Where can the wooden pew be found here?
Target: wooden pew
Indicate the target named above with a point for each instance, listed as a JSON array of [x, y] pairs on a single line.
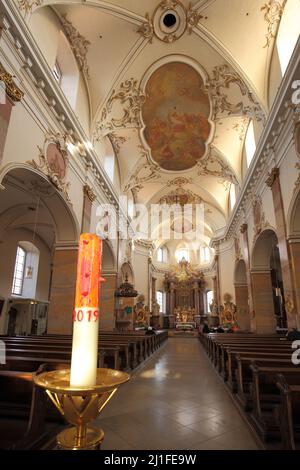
[[266, 397], [289, 410]]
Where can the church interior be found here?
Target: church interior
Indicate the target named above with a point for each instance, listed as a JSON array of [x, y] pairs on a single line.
[[149, 225]]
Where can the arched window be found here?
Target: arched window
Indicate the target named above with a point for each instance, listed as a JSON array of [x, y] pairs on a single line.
[[162, 255], [160, 299], [250, 144], [209, 299], [232, 196], [182, 253], [26, 270], [205, 254], [19, 272], [109, 166], [66, 70], [288, 33]]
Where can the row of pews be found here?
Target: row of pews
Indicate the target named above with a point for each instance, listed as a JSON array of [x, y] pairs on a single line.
[[259, 372], [27, 418]]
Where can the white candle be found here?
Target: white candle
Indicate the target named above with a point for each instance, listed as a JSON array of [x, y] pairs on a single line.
[[86, 313]]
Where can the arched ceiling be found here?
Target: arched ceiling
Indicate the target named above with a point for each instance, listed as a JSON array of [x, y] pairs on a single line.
[[229, 43]]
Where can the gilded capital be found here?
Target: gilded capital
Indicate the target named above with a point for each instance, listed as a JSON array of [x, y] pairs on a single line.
[[87, 190], [272, 177], [244, 228], [12, 90]]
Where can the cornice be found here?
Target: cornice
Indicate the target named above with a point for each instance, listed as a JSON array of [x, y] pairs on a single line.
[[280, 116], [38, 74]]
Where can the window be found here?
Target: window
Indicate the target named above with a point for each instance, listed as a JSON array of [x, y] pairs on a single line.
[[209, 299], [161, 255], [160, 300], [109, 166], [182, 253], [57, 72], [19, 271], [205, 254], [250, 144], [288, 33], [232, 196]]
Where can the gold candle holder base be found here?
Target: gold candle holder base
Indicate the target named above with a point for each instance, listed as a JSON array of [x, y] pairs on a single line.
[[80, 406]]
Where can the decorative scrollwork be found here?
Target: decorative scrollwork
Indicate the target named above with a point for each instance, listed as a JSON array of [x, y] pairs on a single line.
[[79, 45], [273, 11], [53, 161], [222, 78], [116, 141], [131, 98], [28, 5]]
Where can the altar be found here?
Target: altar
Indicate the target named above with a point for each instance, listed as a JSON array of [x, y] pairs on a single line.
[[185, 318], [185, 288]]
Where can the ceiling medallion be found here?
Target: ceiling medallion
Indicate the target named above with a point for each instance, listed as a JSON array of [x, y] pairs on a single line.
[[176, 117], [169, 21]]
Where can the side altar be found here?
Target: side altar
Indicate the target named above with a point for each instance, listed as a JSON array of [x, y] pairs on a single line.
[[184, 288]]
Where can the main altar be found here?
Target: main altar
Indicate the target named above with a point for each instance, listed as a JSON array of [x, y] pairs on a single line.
[[184, 288]]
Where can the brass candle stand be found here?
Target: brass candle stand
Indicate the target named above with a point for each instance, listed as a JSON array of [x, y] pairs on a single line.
[[80, 406]]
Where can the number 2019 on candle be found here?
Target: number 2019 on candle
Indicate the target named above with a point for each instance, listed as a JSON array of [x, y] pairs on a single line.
[[85, 315]]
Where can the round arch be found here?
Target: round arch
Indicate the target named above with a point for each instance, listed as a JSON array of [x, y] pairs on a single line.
[[266, 277], [126, 269], [30, 184]]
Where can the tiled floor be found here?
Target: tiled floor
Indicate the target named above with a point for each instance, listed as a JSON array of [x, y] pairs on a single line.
[[175, 401]]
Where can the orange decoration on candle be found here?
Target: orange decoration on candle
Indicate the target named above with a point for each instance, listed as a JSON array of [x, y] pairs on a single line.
[[88, 271]]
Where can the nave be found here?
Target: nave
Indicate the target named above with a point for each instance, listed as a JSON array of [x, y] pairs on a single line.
[[175, 401]]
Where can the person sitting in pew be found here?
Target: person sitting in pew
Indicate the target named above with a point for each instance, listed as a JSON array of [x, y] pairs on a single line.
[[293, 335]]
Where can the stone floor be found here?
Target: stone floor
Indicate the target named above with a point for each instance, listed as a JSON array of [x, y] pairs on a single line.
[[175, 401]]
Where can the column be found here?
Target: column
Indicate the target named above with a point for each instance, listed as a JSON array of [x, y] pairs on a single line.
[[265, 320], [273, 182], [9, 94], [294, 248], [242, 306], [246, 252], [62, 291], [153, 291], [88, 198]]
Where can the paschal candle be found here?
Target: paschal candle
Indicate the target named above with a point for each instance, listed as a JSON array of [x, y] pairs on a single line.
[[86, 312]]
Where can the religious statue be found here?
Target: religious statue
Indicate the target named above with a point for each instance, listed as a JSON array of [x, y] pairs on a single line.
[[155, 309], [141, 312], [213, 307], [228, 311]]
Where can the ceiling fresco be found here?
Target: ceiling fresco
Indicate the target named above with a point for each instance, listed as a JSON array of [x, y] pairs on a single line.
[[176, 116]]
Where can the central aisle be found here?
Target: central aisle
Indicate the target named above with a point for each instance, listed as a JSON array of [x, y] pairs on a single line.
[[175, 401]]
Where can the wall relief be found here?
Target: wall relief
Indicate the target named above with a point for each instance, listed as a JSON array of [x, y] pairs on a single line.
[[53, 161]]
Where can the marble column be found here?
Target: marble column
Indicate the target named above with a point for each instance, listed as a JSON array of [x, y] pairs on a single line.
[[246, 252], [273, 182], [265, 320], [62, 291], [9, 95]]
